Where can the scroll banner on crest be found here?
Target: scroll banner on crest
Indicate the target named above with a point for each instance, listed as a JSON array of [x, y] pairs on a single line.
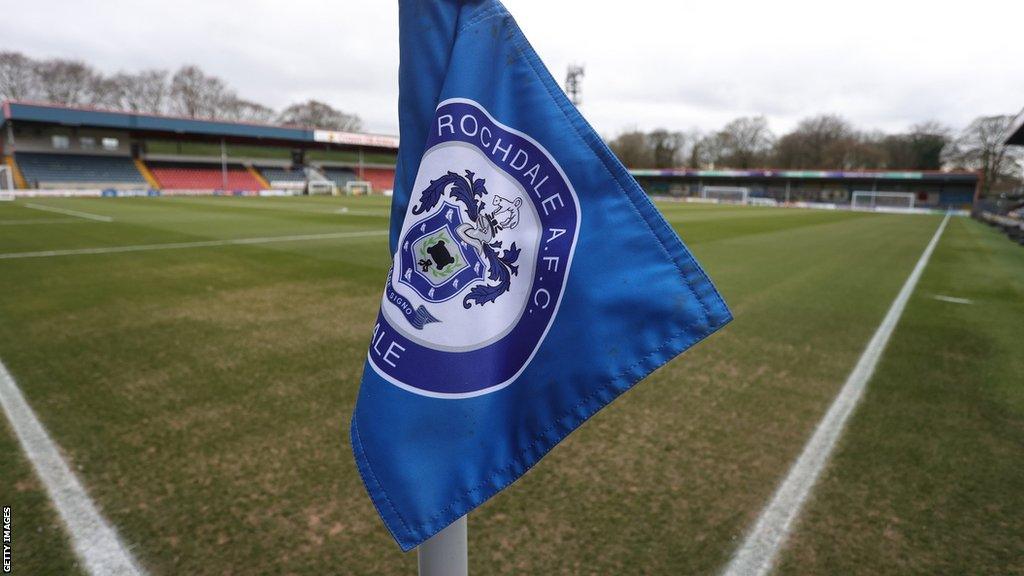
[[532, 281]]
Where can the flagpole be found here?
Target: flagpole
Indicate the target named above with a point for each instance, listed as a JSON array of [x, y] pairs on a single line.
[[446, 553]]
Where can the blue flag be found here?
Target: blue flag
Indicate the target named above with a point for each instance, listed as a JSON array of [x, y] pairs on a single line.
[[532, 279]]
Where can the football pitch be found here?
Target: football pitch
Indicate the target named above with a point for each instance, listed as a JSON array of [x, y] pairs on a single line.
[[197, 360]]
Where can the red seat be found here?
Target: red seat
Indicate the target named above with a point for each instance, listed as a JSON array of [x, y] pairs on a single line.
[[204, 178], [380, 178]]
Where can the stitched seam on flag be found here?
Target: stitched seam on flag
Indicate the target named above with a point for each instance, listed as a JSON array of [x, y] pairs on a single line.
[[530, 59], [488, 13], [627, 188], [618, 378], [558, 421], [362, 461], [539, 438]]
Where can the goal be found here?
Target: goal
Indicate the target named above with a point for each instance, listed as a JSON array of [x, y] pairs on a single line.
[[6, 183], [322, 187], [872, 200], [357, 187], [733, 194]]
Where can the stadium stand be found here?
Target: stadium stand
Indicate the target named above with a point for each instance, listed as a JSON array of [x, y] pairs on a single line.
[[294, 174], [339, 175], [380, 178], [84, 150], [174, 176], [74, 170], [932, 189]]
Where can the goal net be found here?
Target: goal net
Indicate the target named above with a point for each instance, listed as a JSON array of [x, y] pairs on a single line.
[[733, 194], [6, 183], [357, 187], [872, 200]]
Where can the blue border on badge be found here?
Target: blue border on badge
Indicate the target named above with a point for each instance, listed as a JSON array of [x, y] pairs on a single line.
[[447, 374]]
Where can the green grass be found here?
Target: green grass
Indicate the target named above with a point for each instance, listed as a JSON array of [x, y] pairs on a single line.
[[929, 478], [39, 545], [204, 394]]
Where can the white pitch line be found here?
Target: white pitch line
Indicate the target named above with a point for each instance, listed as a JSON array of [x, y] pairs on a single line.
[[757, 555], [95, 541], [952, 299], [85, 215], [183, 245]]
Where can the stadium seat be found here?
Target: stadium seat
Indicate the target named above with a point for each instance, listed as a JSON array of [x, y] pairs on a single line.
[[380, 178], [173, 176], [294, 174], [339, 176], [42, 168]]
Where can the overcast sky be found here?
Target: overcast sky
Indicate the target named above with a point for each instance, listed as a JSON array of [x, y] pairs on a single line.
[[679, 65]]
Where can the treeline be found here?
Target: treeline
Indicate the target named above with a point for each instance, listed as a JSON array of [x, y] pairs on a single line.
[[188, 92], [829, 142]]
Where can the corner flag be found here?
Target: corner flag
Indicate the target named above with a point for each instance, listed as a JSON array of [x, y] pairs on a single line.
[[532, 281]]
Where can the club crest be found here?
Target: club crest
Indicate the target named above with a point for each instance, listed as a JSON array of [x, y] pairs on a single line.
[[482, 259]]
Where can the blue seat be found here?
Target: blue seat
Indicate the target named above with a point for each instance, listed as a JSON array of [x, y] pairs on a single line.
[[339, 175], [283, 174], [44, 167]]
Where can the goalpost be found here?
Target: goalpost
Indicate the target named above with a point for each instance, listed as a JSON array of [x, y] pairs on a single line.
[[357, 187], [734, 194], [872, 200], [322, 187], [6, 183]]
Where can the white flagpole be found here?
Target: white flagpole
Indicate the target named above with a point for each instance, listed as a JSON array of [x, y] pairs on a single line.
[[446, 553]]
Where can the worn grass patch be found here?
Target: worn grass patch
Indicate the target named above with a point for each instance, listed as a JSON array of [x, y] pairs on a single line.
[[38, 543], [204, 395], [929, 478]]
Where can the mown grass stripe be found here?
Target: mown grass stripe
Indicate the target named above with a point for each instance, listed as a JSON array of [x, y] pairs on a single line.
[[757, 555], [76, 213], [32, 221], [95, 541], [185, 245]]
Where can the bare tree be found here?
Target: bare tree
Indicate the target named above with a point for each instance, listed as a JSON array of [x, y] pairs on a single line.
[[145, 91], [240, 110], [19, 79], [707, 152], [196, 95], [918, 149], [666, 148], [866, 151], [743, 143], [817, 142], [66, 81], [632, 148], [316, 114], [981, 146]]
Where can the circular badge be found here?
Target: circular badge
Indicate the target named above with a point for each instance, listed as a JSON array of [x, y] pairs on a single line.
[[482, 261]]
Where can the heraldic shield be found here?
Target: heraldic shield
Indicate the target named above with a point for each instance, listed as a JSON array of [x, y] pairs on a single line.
[[436, 261], [583, 288]]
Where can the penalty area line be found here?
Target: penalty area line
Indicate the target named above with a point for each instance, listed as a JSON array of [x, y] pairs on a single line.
[[757, 555], [952, 299], [76, 213], [95, 541], [185, 245]]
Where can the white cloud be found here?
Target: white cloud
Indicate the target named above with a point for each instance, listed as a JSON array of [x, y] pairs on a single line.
[[882, 64]]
